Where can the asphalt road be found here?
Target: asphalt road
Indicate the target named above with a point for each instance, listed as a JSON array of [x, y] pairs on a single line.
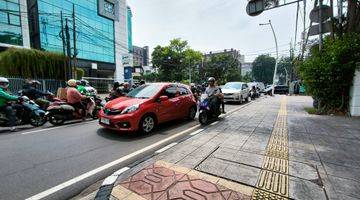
[[34, 160]]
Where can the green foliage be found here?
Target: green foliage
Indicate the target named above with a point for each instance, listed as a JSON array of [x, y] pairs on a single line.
[[247, 77], [30, 63], [175, 60], [329, 75], [284, 69], [79, 73], [311, 110], [223, 68], [152, 77], [263, 69]]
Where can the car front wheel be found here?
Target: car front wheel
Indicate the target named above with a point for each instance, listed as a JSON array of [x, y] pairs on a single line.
[[147, 124]]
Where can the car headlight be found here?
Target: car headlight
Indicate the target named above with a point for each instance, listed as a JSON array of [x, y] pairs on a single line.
[[130, 109]]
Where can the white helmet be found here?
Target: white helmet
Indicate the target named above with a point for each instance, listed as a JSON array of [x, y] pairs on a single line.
[[4, 82]]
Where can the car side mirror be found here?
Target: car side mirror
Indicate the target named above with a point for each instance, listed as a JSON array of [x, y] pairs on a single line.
[[163, 98]]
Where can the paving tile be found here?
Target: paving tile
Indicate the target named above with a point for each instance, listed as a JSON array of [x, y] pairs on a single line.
[[248, 158], [213, 166], [345, 186], [303, 154], [302, 170], [342, 171], [241, 173], [302, 189]]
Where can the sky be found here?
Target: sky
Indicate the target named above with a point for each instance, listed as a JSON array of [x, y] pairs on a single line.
[[211, 25]]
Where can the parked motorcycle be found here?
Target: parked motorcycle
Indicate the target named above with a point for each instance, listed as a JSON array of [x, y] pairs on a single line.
[[28, 112], [207, 115]]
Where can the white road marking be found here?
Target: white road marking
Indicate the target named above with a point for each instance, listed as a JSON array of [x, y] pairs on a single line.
[[107, 166], [53, 128], [120, 171], [196, 132], [214, 123], [166, 147]]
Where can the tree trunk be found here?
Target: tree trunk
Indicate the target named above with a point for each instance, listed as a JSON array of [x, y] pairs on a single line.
[[353, 16]]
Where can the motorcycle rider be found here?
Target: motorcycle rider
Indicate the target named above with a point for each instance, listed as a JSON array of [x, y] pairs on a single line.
[[126, 88], [4, 100], [81, 87], [75, 98], [116, 91], [195, 91], [214, 94], [31, 90]]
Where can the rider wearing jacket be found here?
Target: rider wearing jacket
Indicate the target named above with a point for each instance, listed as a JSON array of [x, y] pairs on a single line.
[[214, 94], [75, 98], [4, 99]]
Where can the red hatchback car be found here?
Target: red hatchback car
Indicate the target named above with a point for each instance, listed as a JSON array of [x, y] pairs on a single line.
[[148, 105]]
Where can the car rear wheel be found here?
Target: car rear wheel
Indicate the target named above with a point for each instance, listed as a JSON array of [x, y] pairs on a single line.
[[147, 124]]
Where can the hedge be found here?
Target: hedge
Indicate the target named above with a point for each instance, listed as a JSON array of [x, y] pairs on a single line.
[[30, 63]]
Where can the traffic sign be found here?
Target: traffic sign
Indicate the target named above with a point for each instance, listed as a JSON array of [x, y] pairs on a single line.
[[314, 29], [326, 14], [255, 7]]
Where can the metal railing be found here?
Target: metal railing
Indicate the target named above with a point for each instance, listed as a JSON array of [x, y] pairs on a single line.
[[52, 85], [102, 85]]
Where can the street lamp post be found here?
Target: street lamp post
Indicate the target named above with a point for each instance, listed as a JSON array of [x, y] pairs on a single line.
[[277, 54]]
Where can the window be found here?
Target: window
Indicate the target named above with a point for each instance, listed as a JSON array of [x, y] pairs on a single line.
[[183, 91], [170, 92], [109, 7], [14, 19], [244, 86]]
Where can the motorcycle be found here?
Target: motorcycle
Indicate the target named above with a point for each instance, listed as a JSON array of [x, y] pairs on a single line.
[[207, 115], [27, 112]]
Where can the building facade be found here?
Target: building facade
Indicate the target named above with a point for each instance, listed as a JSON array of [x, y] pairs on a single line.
[[141, 56], [99, 27], [14, 24]]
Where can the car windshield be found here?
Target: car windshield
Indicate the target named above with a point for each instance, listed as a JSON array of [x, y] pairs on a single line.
[[144, 91], [236, 86]]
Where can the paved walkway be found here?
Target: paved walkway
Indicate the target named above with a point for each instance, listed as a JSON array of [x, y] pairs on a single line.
[[270, 149]]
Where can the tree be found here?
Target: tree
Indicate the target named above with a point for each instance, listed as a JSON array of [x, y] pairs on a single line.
[[284, 70], [328, 75], [263, 68], [247, 77], [223, 68], [174, 60]]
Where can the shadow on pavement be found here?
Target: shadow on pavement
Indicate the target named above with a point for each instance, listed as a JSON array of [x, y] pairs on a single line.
[[161, 129]]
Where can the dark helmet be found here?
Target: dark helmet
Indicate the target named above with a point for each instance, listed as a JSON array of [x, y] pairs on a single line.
[[116, 84], [211, 79], [83, 82]]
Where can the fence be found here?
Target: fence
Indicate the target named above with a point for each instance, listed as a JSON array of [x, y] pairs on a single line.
[[102, 85], [51, 85]]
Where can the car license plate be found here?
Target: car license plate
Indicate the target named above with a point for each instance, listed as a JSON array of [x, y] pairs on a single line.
[[105, 121]]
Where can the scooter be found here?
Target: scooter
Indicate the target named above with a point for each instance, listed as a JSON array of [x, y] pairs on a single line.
[[27, 112], [207, 115]]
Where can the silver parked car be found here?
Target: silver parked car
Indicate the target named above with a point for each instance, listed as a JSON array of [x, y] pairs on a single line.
[[235, 92]]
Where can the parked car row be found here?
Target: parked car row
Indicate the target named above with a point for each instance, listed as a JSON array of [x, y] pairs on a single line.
[[240, 91]]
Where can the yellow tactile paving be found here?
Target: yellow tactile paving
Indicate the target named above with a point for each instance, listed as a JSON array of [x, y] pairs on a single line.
[[273, 181]]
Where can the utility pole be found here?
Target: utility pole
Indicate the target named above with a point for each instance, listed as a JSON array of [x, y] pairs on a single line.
[[74, 38], [340, 14], [63, 42], [277, 54], [320, 26], [68, 50]]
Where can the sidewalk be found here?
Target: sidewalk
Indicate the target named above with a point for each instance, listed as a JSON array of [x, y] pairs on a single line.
[[270, 149]]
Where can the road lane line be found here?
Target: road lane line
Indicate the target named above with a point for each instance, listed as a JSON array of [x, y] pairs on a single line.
[[166, 147], [214, 123], [107, 166], [196, 132], [53, 128]]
